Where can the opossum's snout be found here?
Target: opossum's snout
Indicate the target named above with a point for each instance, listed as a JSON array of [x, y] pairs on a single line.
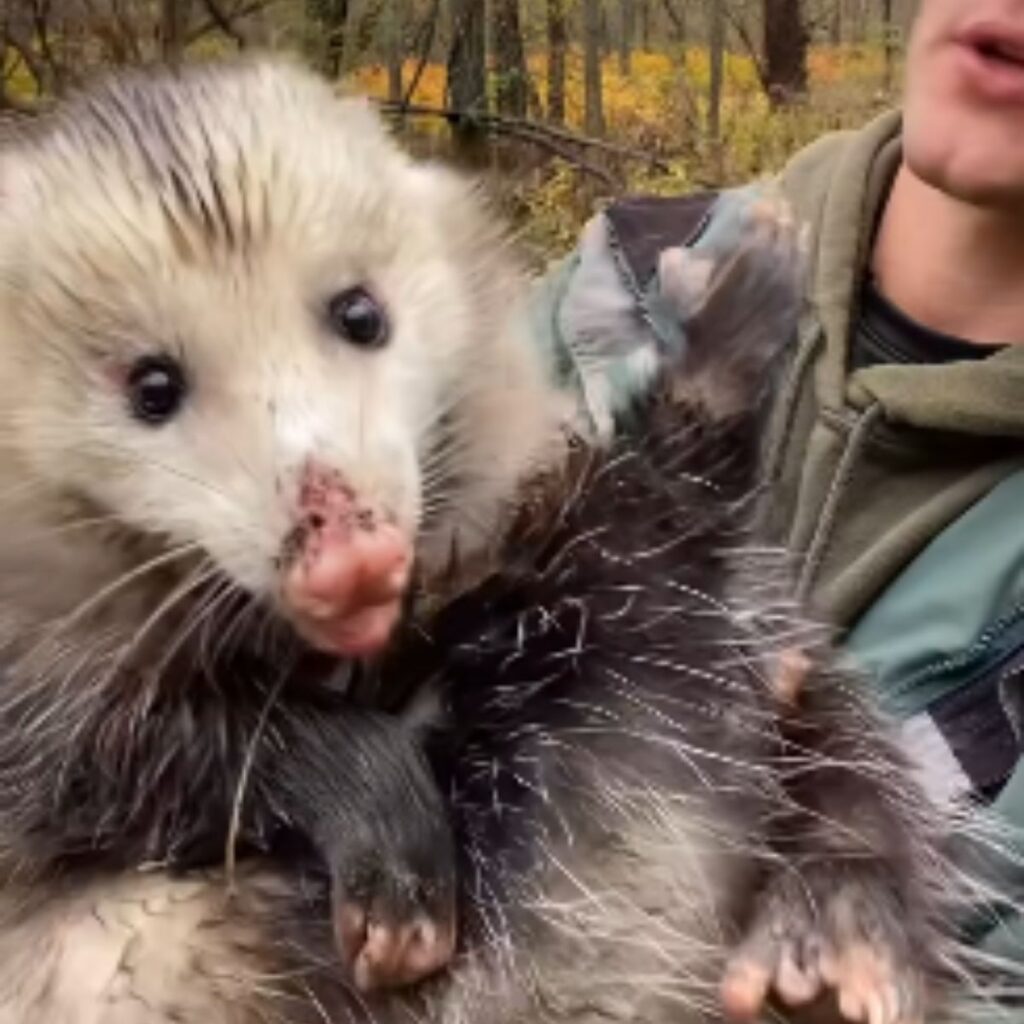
[[345, 567]]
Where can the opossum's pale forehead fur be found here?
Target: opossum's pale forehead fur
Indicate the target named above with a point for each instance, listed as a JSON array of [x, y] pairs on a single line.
[[221, 161], [212, 216]]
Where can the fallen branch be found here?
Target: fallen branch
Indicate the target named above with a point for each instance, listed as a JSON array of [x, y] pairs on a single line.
[[525, 128], [426, 45], [678, 22], [224, 20], [750, 46], [226, 23]]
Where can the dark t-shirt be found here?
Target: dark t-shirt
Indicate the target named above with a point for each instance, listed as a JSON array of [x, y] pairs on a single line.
[[884, 334]]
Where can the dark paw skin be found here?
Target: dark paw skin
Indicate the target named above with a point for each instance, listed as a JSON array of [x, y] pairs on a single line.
[[385, 949], [834, 930], [360, 791], [393, 901]]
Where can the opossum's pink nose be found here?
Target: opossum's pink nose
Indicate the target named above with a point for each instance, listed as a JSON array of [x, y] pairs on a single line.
[[347, 572]]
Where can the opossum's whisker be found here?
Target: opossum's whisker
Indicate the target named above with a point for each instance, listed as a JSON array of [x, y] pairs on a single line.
[[109, 449], [321, 1010], [73, 526], [235, 821], [64, 694], [202, 575], [211, 617], [234, 626], [25, 488], [196, 617], [266, 631], [116, 586]]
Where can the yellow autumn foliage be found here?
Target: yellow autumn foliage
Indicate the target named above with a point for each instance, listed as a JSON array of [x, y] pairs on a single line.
[[661, 108]]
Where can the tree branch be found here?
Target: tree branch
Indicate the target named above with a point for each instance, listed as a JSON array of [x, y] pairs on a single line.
[[428, 33], [526, 129], [553, 141], [225, 23], [749, 45], [241, 11], [23, 48], [678, 24]]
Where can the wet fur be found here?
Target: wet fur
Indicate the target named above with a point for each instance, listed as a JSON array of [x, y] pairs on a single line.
[[618, 774]]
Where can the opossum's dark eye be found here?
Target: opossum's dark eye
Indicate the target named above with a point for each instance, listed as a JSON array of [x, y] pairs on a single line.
[[156, 388], [358, 317]]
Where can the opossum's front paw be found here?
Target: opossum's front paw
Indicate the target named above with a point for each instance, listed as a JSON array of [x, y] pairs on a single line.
[[386, 951], [394, 917], [751, 244], [838, 929]]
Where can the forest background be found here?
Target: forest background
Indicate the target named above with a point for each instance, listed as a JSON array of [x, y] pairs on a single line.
[[560, 103]]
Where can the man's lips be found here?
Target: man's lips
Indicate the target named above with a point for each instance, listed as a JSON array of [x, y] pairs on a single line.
[[991, 61]]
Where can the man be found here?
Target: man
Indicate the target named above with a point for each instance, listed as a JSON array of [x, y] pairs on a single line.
[[898, 440]]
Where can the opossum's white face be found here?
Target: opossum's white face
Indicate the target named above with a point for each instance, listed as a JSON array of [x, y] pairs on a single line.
[[234, 317]]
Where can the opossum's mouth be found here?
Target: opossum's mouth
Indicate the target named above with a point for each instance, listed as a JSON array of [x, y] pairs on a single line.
[[344, 589], [359, 635]]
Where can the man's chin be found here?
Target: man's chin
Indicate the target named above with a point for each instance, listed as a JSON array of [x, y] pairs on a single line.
[[969, 168]]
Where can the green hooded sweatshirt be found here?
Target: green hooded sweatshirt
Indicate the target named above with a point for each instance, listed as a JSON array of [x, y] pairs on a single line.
[[870, 466], [901, 487]]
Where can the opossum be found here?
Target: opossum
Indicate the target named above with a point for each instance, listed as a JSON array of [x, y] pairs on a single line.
[[251, 349], [187, 262]]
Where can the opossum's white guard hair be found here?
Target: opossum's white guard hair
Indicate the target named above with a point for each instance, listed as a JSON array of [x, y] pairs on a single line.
[[213, 217]]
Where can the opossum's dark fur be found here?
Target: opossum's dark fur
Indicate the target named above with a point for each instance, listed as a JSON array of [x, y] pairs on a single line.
[[612, 733], [629, 798]]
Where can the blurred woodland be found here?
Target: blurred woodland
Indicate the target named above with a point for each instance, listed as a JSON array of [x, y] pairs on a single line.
[[563, 102]]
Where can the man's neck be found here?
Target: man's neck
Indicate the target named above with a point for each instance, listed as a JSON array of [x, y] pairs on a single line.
[[951, 266]]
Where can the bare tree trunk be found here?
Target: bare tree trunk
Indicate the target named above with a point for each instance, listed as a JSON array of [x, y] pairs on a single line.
[[716, 46], [467, 77], [860, 20], [174, 16], [889, 41], [785, 50], [511, 92], [558, 44], [593, 86], [396, 49], [835, 25], [645, 24], [676, 14], [627, 35], [331, 18]]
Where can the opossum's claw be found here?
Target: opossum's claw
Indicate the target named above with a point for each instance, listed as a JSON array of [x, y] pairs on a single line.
[[393, 902], [812, 934], [384, 952], [738, 294]]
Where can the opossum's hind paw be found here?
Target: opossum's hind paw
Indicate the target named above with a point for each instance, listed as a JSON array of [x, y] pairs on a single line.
[[385, 950], [839, 933]]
